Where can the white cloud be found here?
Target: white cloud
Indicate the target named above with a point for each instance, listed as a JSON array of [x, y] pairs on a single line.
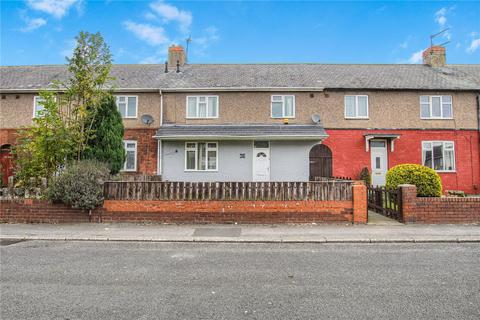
[[153, 35], [474, 45], [171, 13], [56, 8], [416, 57], [440, 17], [32, 24]]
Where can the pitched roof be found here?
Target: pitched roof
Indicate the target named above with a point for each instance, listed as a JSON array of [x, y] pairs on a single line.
[[261, 76], [248, 131]]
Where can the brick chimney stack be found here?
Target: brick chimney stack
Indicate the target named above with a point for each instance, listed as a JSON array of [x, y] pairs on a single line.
[[176, 53], [435, 56]]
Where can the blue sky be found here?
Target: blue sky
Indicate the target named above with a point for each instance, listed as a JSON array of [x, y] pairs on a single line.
[[43, 31]]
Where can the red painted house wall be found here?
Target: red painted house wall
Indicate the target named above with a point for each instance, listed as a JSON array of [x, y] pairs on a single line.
[[349, 155]]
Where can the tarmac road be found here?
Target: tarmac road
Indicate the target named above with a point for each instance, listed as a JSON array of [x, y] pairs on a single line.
[[144, 280]]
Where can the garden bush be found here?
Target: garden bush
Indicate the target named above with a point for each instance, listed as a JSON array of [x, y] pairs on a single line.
[[365, 176], [426, 180], [80, 185]]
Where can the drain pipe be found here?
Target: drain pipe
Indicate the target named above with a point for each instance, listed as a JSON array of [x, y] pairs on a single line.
[[159, 142]]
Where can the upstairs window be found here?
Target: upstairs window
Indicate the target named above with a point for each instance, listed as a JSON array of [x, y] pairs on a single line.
[[202, 107], [439, 155], [201, 156], [436, 107], [356, 107], [283, 106], [131, 158], [37, 106], [127, 106]]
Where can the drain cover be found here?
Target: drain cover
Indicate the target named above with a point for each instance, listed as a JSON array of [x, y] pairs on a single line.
[[7, 242], [217, 232]]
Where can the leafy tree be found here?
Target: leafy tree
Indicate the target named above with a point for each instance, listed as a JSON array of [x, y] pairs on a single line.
[[42, 148], [106, 143], [64, 127], [89, 68]]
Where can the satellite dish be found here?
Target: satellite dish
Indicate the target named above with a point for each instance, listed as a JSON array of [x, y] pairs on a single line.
[[147, 119], [315, 118]]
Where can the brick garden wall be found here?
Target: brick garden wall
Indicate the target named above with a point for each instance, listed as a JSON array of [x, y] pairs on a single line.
[[39, 211], [438, 210], [171, 211], [227, 211]]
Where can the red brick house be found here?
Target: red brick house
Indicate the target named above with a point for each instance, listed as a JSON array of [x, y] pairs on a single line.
[[280, 122]]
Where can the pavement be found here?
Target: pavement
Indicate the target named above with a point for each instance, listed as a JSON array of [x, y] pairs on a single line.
[[390, 232], [43, 280]]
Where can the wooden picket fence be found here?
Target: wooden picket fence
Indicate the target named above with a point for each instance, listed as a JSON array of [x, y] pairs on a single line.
[[286, 191]]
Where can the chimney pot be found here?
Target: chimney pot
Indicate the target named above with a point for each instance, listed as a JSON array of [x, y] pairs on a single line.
[[176, 54], [166, 67], [435, 56]]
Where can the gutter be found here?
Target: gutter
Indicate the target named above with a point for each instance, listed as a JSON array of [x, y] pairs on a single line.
[[250, 89], [233, 137], [119, 90]]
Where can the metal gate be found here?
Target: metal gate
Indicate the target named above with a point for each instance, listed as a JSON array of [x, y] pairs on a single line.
[[385, 201]]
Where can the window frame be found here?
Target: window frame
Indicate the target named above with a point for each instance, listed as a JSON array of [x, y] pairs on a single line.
[[125, 142], [126, 107], [197, 108], [283, 106], [196, 156], [34, 115], [444, 142], [356, 106], [431, 106]]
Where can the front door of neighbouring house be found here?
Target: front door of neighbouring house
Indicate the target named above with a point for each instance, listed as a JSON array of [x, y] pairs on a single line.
[[379, 162], [261, 161]]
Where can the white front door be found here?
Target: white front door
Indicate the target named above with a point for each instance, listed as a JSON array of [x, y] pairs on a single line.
[[378, 151], [261, 161]]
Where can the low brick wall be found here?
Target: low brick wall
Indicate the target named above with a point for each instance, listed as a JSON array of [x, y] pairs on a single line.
[[39, 211], [438, 210], [171, 211], [228, 211]]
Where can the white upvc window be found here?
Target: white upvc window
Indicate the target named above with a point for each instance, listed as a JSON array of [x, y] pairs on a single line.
[[436, 107], [202, 107], [131, 155], [37, 106], [439, 155], [127, 106], [201, 156], [283, 106], [356, 107]]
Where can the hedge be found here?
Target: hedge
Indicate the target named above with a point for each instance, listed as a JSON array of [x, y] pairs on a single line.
[[426, 179]]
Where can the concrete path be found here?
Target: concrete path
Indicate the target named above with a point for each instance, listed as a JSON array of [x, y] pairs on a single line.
[[243, 233]]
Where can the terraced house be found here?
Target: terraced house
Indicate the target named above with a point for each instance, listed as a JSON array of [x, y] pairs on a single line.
[[280, 122]]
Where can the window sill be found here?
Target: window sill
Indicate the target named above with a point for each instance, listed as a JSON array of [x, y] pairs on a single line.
[[282, 118], [200, 170], [128, 171], [206, 118], [436, 118], [357, 118], [444, 171], [130, 118]]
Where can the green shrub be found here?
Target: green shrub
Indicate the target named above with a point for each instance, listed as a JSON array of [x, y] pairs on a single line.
[[365, 176], [80, 185], [426, 180]]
